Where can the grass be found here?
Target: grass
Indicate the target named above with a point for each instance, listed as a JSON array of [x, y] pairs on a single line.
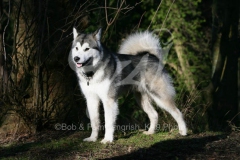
[[71, 146], [132, 145]]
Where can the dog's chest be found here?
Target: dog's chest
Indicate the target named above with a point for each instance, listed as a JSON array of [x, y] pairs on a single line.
[[96, 88]]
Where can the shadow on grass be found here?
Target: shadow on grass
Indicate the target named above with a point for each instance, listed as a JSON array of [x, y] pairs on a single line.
[[27, 151], [50, 148], [184, 148]]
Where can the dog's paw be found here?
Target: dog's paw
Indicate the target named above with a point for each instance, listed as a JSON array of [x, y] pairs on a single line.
[[104, 141], [148, 132], [90, 139], [183, 132]]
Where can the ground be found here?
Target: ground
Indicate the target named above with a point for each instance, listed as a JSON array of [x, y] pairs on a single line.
[[133, 145]]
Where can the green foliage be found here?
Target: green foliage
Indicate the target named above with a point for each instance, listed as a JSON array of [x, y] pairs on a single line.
[[184, 20]]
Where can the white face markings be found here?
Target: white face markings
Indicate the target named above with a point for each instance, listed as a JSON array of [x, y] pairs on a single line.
[[85, 47], [81, 51], [81, 48]]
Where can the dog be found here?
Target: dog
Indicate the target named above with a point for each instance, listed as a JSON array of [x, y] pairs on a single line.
[[104, 75]]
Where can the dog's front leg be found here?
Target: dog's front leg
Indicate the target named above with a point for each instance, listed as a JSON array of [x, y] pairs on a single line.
[[110, 114], [93, 110]]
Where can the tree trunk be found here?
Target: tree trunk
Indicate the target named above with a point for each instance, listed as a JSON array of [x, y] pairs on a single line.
[[3, 57], [239, 88], [225, 51], [23, 60], [1, 52], [184, 64]]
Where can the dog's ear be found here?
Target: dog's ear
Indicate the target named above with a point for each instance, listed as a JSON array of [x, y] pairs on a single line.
[[97, 34], [75, 33]]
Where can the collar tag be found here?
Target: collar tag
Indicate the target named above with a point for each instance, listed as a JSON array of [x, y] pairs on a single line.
[[88, 76]]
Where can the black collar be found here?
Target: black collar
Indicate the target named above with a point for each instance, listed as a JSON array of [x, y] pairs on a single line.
[[88, 76]]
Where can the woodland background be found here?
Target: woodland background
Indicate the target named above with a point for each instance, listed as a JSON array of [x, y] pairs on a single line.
[[38, 89]]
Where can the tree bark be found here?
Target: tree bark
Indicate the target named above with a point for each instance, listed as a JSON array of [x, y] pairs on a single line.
[[1, 51], [23, 60], [3, 56], [184, 64], [225, 49]]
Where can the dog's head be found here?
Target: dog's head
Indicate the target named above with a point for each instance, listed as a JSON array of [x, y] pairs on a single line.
[[86, 50]]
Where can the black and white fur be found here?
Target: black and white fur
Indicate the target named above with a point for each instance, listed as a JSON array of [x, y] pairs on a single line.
[[103, 75]]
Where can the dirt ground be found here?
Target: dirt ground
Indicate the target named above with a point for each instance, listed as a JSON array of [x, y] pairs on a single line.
[[199, 146], [50, 145]]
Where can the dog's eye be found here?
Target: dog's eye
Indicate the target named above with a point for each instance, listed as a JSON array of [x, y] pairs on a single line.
[[86, 49], [77, 48]]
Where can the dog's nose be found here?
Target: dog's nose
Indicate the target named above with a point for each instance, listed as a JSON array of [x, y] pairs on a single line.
[[76, 59]]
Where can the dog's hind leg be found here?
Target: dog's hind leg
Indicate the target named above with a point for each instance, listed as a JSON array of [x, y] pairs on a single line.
[[145, 102], [168, 104]]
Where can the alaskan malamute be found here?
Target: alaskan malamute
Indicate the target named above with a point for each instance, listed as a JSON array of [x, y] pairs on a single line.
[[103, 75]]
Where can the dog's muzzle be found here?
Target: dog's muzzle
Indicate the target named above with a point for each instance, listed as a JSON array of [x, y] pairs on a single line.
[[87, 62]]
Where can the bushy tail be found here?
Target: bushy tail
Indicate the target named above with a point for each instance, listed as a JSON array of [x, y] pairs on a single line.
[[141, 42]]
